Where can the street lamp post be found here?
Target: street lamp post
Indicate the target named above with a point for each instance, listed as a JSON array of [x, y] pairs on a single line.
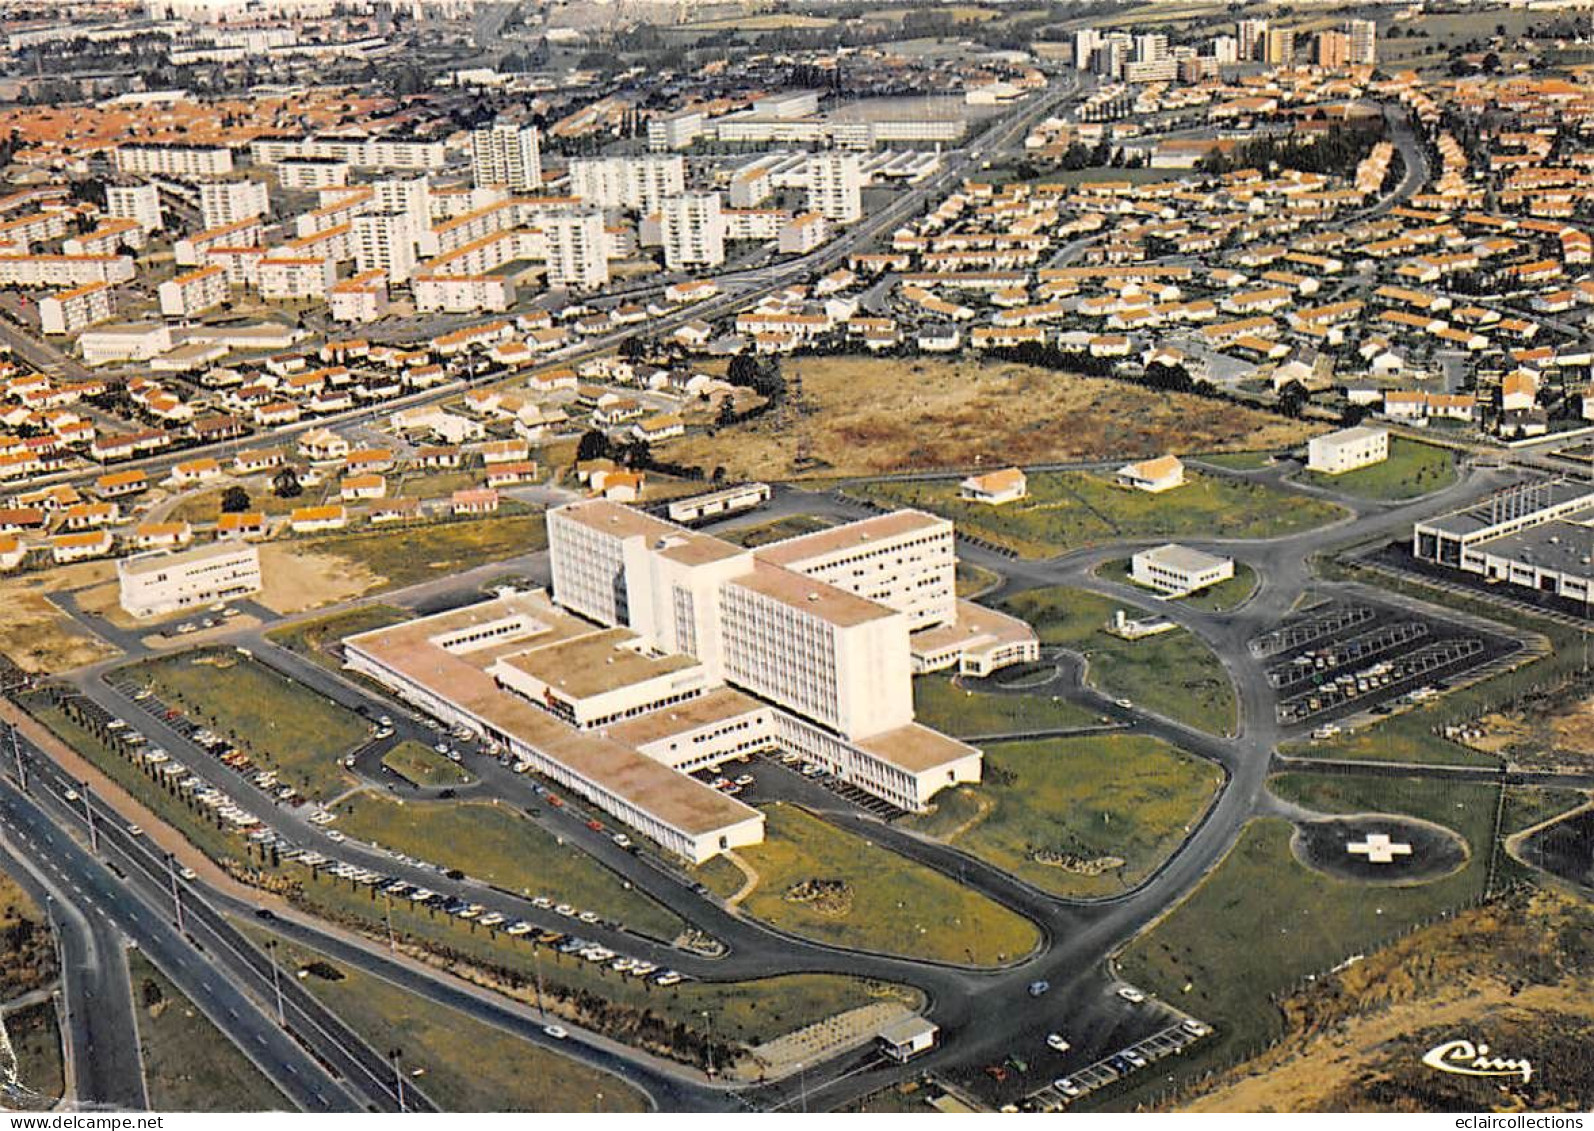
[[802, 1085], [395, 1057], [276, 982], [708, 1019], [22, 774], [177, 895], [88, 815]]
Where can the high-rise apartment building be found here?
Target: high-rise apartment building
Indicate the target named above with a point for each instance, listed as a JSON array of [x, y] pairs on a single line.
[[1363, 42], [637, 183], [508, 154], [1253, 37], [1279, 47], [576, 256], [135, 202], [693, 230], [227, 202], [385, 242], [835, 186], [1333, 49]]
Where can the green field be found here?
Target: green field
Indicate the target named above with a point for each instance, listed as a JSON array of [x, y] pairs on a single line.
[[423, 553], [1413, 468], [939, 703], [1262, 912], [282, 724], [423, 766], [466, 1065], [1219, 598], [973, 580], [1058, 812], [1066, 510], [189, 1065], [881, 901], [1173, 674], [494, 843], [750, 1012], [35, 1037]]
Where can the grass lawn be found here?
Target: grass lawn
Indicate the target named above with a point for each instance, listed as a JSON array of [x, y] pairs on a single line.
[[437, 484], [782, 528], [422, 553], [28, 960], [424, 766], [189, 1065], [468, 1065], [35, 1035], [1174, 673], [1238, 461], [973, 579], [880, 901], [752, 1011], [1261, 922], [1413, 468], [205, 506], [1219, 598], [1069, 509], [496, 844], [939, 703], [283, 724], [1089, 816]]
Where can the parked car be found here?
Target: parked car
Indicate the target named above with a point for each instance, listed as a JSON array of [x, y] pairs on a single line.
[[1057, 1042]]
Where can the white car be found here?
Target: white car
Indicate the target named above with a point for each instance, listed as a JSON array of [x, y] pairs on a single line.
[[557, 1032], [1126, 704], [1058, 1043], [1130, 994]]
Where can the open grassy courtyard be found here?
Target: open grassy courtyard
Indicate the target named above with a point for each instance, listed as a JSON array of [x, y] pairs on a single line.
[[496, 844], [1173, 674], [423, 766], [1089, 816], [282, 724], [1066, 510], [312, 638], [822, 883], [469, 1065], [189, 1065], [963, 710], [1413, 468]]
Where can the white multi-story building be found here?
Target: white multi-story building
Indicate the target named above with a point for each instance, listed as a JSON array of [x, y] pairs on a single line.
[[1363, 42], [508, 154], [311, 175], [1253, 38], [1177, 570], [164, 581], [835, 186], [462, 294], [285, 278], [576, 256], [675, 131], [140, 203], [189, 294], [1338, 452], [73, 309], [189, 162], [228, 202], [638, 183], [409, 195], [64, 270], [693, 230], [361, 153], [362, 298], [384, 241]]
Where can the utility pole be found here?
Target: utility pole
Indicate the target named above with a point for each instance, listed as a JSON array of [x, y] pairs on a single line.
[[387, 900], [536, 958], [709, 1020], [22, 774]]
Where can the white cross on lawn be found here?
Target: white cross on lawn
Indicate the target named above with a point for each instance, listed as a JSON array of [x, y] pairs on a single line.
[[1378, 849]]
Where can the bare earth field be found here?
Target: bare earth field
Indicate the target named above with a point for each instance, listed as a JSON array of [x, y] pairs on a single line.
[[37, 635], [1514, 974], [296, 579], [868, 416]]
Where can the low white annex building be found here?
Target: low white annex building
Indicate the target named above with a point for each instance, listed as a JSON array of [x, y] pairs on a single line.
[[166, 581], [1177, 570], [1348, 449]]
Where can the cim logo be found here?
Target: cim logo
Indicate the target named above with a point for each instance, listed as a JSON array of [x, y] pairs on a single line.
[[1463, 1058]]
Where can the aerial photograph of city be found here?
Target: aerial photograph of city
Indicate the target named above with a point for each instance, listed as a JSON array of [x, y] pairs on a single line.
[[658, 557]]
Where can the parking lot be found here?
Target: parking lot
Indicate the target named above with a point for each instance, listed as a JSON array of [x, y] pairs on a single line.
[[1120, 1065], [1341, 658]]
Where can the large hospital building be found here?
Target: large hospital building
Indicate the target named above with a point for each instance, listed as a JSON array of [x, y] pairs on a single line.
[[664, 651]]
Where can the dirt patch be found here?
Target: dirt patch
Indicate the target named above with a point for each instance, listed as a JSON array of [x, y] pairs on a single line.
[[861, 416], [1574, 731], [296, 579], [37, 635], [1514, 974]]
